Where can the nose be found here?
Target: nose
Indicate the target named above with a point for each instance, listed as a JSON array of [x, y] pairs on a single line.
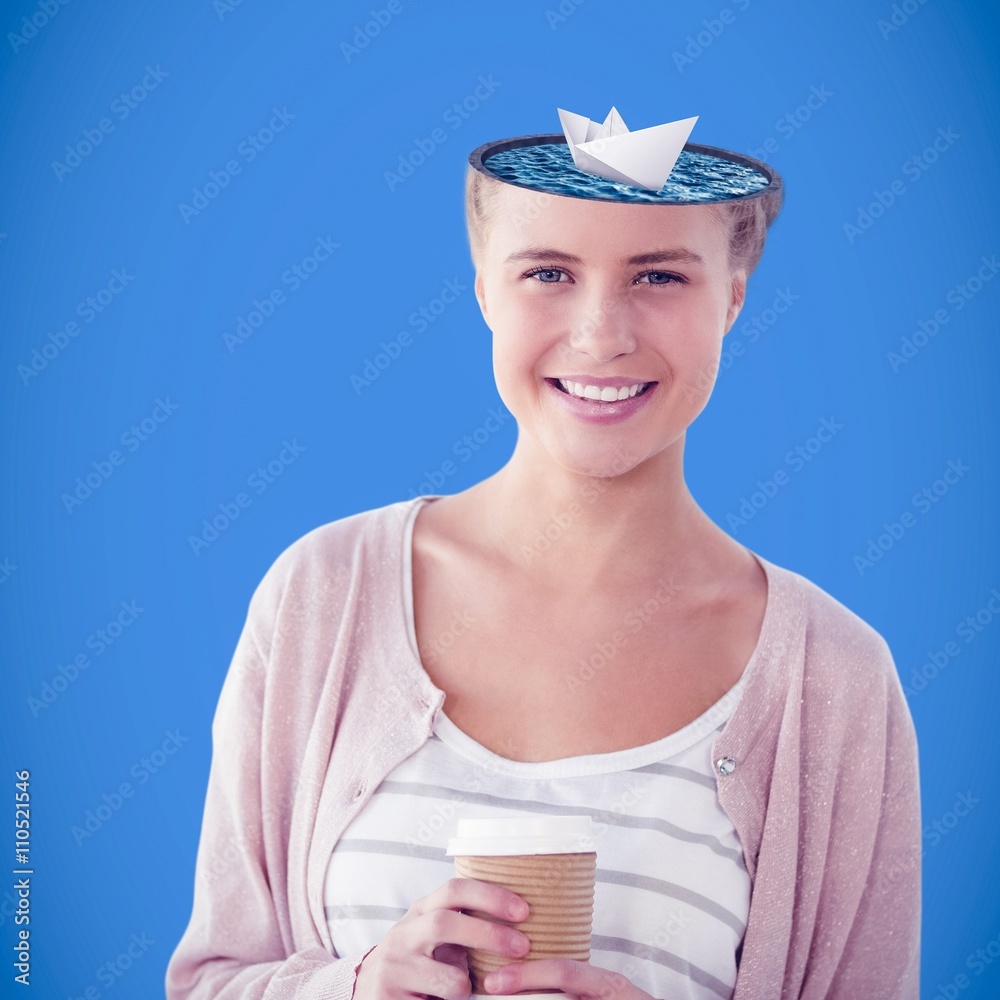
[[601, 325]]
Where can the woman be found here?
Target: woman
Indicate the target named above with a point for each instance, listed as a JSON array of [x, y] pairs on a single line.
[[573, 634]]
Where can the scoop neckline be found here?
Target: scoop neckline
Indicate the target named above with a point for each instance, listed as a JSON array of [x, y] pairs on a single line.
[[630, 757], [583, 765]]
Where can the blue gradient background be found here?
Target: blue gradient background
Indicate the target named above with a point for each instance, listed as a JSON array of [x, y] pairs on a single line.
[[323, 176]]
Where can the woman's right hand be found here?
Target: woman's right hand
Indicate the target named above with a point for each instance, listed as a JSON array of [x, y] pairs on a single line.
[[403, 964]]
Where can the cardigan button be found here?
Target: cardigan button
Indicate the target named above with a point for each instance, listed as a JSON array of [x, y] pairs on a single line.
[[725, 765], [359, 791]]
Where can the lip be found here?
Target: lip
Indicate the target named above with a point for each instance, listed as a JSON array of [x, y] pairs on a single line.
[[593, 410]]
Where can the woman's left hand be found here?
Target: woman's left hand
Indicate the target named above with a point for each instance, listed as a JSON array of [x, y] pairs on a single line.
[[578, 979]]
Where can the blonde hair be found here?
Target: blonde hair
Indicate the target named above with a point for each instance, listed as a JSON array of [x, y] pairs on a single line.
[[746, 220]]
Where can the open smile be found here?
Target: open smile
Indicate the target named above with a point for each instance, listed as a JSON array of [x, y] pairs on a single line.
[[606, 394], [602, 404]]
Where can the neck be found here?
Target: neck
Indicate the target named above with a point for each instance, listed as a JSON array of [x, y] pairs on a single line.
[[627, 529]]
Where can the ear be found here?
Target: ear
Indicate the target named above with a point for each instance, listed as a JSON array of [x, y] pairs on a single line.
[[480, 287], [738, 297]]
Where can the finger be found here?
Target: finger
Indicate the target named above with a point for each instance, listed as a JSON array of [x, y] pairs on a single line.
[[452, 954], [473, 894], [437, 979], [426, 933], [578, 978]]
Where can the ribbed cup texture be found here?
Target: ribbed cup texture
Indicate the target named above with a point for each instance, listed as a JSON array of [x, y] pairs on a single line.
[[559, 891]]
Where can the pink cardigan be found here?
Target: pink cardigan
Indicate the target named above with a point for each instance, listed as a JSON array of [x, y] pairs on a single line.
[[325, 696]]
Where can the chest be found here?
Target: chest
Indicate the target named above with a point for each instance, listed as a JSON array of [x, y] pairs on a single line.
[[536, 679]]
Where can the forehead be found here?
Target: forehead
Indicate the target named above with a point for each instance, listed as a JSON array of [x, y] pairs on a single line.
[[523, 216]]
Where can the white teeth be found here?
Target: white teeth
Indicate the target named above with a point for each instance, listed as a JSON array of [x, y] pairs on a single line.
[[607, 394]]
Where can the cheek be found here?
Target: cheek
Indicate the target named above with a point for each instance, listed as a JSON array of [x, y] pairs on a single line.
[[519, 333], [705, 315], [509, 346], [514, 365], [690, 342]]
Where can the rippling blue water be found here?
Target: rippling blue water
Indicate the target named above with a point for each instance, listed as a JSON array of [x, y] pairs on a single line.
[[696, 177]]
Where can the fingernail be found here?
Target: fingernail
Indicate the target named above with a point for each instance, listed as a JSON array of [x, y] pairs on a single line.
[[493, 981]]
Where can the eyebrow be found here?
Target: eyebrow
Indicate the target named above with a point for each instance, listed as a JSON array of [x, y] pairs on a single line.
[[671, 255]]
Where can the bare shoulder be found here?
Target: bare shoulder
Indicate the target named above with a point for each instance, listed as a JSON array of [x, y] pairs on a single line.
[[448, 529], [447, 553], [433, 524]]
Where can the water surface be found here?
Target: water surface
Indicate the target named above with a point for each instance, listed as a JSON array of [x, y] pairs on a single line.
[[696, 177]]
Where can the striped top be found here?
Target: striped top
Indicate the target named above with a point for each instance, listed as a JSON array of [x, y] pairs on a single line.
[[672, 892]]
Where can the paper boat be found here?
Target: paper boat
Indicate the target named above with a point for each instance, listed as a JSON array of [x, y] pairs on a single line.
[[643, 158]]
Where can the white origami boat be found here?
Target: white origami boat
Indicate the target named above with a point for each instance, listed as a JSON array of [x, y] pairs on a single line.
[[643, 158]]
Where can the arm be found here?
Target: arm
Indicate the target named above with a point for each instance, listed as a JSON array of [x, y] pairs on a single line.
[[238, 941], [882, 953]]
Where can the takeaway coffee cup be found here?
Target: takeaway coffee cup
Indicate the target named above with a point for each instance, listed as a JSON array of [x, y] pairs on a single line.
[[547, 860]]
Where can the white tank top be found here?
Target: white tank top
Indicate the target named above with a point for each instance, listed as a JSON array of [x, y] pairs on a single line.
[[672, 892]]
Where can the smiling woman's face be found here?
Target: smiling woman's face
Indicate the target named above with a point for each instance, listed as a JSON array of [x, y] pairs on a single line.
[[609, 296]]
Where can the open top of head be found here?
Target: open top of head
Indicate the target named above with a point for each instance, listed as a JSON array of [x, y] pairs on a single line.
[[701, 175]]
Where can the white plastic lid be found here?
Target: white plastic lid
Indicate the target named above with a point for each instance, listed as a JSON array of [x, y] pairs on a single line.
[[523, 835]]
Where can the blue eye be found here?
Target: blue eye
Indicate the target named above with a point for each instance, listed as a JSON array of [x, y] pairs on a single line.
[[666, 277], [540, 272]]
